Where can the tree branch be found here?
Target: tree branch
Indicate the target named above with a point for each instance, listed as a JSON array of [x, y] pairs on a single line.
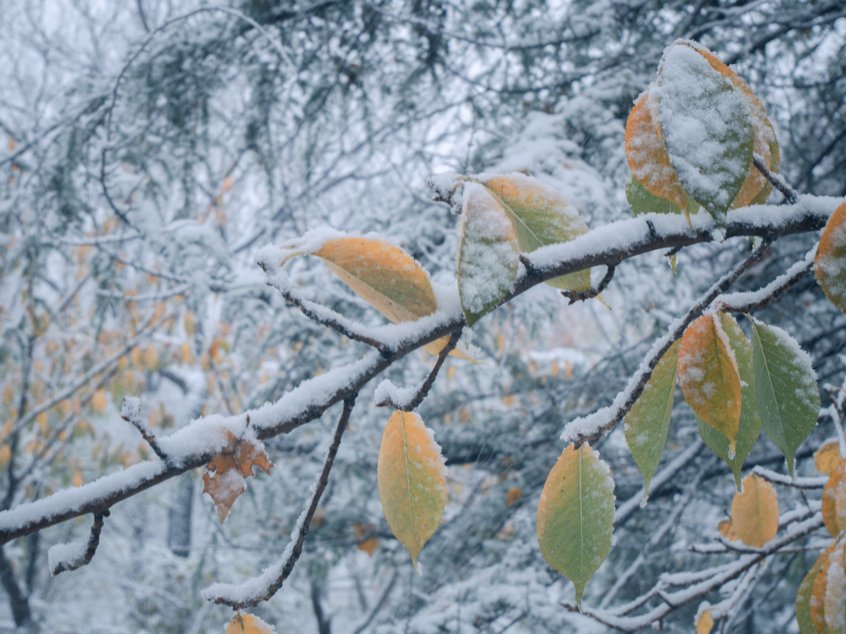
[[64, 557], [790, 194]]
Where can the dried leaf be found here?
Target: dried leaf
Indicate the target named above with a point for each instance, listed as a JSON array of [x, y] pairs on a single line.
[[224, 477], [488, 253], [412, 483], [754, 512], [243, 623], [576, 515], [709, 377], [540, 216], [830, 261]]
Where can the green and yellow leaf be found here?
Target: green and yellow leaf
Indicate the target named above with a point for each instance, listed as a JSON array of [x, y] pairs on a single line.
[[576, 515], [411, 478], [830, 260]]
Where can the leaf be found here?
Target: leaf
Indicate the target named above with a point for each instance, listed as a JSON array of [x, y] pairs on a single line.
[[383, 275], [243, 623], [754, 512], [709, 378], [412, 483], [224, 477], [834, 601], [803, 595], [642, 201], [707, 127], [540, 216], [750, 419], [788, 396], [726, 529], [576, 515], [368, 545], [488, 253], [834, 501], [704, 622], [648, 420], [827, 457], [830, 260], [647, 155], [819, 605]]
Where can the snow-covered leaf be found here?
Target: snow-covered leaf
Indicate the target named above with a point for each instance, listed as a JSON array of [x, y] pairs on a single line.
[[830, 261], [647, 156], [826, 605], [243, 623], [576, 515], [749, 427], [709, 377], [540, 216], [412, 483], [754, 512], [488, 253], [788, 396], [224, 476], [707, 127], [648, 421], [805, 593]]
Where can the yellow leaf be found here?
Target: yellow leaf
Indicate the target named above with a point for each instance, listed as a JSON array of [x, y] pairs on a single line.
[[754, 512], [243, 623], [412, 485], [77, 478], [834, 600], [368, 545], [704, 622], [224, 476], [149, 357], [189, 323], [727, 530], [135, 357], [834, 501], [820, 586], [827, 457], [513, 495], [99, 401], [830, 260], [709, 378], [43, 421], [186, 353], [647, 155], [5, 454]]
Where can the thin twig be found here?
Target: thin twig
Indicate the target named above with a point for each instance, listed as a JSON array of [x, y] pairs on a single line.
[[272, 579], [580, 296], [423, 391], [790, 194], [130, 411], [90, 547]]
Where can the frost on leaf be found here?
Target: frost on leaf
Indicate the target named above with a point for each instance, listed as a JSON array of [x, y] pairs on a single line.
[[412, 483], [243, 623], [707, 127], [488, 253], [788, 396], [826, 605], [754, 512], [648, 420], [749, 427], [225, 476], [540, 216], [576, 515], [834, 501], [709, 377], [830, 261]]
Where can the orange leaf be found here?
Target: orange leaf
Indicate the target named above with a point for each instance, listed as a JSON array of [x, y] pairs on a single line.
[[224, 476], [243, 623], [513, 496], [830, 261], [820, 587], [368, 545], [834, 501], [754, 512], [709, 378], [827, 457], [704, 622]]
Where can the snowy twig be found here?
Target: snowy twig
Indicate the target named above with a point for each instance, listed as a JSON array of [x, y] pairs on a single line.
[[326, 316], [790, 194], [591, 428], [263, 587], [580, 296], [70, 556], [783, 480], [410, 404], [130, 411]]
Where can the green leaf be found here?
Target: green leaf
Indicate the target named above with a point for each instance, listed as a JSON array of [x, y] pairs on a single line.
[[488, 253], [707, 126], [788, 396], [642, 201], [648, 421], [540, 216], [750, 418], [576, 515]]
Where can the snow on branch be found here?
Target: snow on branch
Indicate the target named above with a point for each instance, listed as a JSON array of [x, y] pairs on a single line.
[[64, 557]]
